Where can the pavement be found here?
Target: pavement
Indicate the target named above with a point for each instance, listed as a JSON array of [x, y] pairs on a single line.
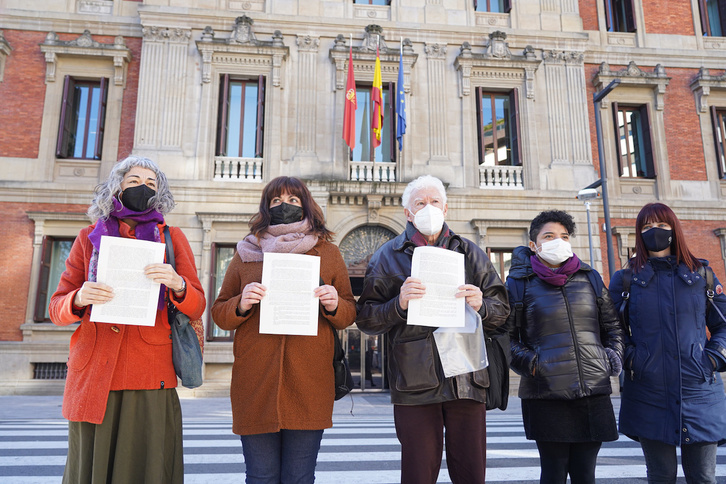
[[355, 404]]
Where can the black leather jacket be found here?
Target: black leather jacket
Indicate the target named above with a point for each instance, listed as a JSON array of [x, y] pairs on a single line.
[[563, 336], [414, 368]]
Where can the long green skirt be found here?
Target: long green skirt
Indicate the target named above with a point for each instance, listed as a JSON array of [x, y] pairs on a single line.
[[139, 441]]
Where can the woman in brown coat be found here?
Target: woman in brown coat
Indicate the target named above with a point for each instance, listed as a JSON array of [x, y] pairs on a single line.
[[282, 385]]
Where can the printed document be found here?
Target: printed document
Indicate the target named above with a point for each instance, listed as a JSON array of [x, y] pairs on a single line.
[[289, 306], [442, 272], [121, 264]]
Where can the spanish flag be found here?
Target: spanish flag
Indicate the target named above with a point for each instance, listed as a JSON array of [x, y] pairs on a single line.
[[351, 104], [377, 98]]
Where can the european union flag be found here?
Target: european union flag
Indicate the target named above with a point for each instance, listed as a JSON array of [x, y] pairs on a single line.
[[400, 105]]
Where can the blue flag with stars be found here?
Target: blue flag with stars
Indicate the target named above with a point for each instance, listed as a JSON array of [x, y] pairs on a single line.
[[400, 105]]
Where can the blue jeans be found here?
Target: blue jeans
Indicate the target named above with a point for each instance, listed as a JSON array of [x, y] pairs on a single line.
[[284, 457], [698, 461]]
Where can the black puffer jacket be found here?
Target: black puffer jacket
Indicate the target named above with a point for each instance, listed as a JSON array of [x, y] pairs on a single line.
[[563, 336], [415, 373]]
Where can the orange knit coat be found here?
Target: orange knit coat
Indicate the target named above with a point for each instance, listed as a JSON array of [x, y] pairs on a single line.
[[105, 357], [282, 381]]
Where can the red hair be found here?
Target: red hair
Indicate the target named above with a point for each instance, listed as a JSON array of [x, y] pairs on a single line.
[[292, 186], [659, 212]]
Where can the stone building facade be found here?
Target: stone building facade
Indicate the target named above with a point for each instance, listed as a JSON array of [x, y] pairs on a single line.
[[228, 94]]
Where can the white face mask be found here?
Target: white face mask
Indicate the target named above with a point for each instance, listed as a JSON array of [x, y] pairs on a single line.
[[429, 220], [555, 251]]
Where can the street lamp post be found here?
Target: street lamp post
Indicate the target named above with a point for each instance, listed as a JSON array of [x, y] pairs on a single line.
[[597, 98]]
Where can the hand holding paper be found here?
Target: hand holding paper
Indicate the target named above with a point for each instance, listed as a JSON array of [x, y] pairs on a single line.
[[412, 288], [328, 296], [252, 294], [93, 293]]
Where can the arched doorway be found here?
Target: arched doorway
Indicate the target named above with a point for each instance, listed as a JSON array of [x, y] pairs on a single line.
[[357, 248]]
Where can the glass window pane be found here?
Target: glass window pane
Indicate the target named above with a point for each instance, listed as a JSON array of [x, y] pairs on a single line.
[[80, 109], [362, 151], [223, 257], [503, 138], [249, 135], [721, 149], [234, 118], [60, 250], [487, 117], [93, 122], [714, 18]]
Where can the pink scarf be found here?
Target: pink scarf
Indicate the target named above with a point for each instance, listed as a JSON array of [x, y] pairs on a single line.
[[294, 238]]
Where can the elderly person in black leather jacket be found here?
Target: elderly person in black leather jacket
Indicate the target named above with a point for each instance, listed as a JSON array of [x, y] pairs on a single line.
[[566, 344], [425, 401]]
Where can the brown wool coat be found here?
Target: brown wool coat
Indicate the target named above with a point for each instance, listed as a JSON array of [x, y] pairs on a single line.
[[282, 381], [105, 357]]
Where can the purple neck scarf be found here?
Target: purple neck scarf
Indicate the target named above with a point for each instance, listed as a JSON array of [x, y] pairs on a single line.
[[146, 224], [146, 229], [556, 277]]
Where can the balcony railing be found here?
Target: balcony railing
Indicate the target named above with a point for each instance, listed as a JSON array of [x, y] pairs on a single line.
[[377, 171], [237, 169], [510, 177]]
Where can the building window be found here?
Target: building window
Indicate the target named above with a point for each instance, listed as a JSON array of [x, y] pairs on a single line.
[[364, 150], [713, 17], [620, 15], [718, 118], [498, 128], [52, 264], [240, 128], [372, 2], [497, 6], [222, 255], [83, 113], [501, 260], [634, 147]]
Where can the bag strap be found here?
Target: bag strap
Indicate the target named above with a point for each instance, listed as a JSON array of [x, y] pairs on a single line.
[[623, 309], [707, 273], [169, 247], [517, 289]]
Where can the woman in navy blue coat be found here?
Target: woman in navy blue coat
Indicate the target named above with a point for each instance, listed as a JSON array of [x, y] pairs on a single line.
[[672, 394]]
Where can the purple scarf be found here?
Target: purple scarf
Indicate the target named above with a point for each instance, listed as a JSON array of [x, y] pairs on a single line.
[[146, 229], [556, 277]]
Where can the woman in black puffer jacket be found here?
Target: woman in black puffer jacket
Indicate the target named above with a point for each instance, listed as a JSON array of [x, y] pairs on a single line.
[[566, 343]]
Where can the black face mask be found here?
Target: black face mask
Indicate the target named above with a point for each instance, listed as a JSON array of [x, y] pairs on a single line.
[[657, 239], [137, 198], [285, 214]]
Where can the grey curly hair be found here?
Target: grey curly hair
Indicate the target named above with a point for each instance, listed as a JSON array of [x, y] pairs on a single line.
[[102, 204]]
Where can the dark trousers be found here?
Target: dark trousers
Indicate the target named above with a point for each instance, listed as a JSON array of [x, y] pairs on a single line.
[[557, 459], [420, 429]]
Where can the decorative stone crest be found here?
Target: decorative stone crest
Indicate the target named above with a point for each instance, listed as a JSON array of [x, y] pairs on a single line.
[[242, 32], [497, 48]]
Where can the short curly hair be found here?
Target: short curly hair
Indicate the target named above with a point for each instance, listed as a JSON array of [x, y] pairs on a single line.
[[557, 216]]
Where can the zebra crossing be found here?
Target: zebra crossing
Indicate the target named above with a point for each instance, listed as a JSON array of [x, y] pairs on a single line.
[[355, 451]]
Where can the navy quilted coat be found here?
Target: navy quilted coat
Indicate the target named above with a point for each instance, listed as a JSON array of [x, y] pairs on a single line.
[[672, 393]]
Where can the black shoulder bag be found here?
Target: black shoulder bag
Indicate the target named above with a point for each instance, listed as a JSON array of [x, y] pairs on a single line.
[[185, 351]]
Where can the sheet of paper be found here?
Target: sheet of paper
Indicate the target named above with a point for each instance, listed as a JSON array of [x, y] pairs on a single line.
[[442, 272], [289, 306], [121, 265]]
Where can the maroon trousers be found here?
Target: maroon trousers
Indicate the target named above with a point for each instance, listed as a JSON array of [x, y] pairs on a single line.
[[420, 429]]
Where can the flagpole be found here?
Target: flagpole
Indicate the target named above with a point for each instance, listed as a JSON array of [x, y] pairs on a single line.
[[350, 150]]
